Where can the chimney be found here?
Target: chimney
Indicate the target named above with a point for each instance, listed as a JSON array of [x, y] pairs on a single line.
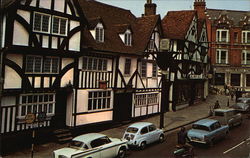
[[150, 8], [200, 7]]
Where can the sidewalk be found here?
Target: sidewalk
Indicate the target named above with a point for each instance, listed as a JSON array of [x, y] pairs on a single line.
[[172, 120]]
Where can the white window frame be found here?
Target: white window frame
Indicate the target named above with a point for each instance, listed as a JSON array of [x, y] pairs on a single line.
[[36, 104], [128, 39], [144, 99], [151, 44], [244, 57], [59, 26], [244, 37], [154, 69], [98, 36], [104, 64], [100, 99], [49, 24], [51, 64], [218, 56], [146, 64], [125, 66], [219, 35], [33, 64]]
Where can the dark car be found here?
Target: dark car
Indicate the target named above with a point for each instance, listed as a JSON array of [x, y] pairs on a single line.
[[241, 107]]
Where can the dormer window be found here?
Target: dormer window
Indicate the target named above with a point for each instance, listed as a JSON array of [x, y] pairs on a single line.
[[99, 33], [128, 38]]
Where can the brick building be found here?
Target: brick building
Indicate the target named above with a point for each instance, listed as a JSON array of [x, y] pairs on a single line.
[[229, 37]]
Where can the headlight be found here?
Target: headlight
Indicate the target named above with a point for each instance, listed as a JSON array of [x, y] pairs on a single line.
[[62, 156]]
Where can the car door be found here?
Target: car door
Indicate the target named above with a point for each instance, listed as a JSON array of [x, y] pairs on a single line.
[[153, 134], [103, 145], [145, 135]]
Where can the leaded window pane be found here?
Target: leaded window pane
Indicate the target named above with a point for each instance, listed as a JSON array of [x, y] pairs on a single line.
[[38, 66], [47, 64], [55, 24], [45, 23], [30, 64], [55, 62], [63, 26], [37, 22]]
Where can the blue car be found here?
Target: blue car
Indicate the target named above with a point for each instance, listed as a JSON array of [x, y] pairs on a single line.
[[207, 131]]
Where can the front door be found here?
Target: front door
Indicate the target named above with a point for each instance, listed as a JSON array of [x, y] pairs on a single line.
[[59, 120], [122, 107]]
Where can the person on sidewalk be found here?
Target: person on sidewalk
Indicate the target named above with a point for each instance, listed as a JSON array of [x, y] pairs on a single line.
[[217, 105]]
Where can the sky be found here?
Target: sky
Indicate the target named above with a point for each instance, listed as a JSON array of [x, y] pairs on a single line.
[[137, 6]]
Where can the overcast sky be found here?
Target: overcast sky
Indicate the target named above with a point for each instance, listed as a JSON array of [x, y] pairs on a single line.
[[137, 6]]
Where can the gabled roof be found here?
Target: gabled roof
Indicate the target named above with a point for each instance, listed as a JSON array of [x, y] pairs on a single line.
[[117, 20], [176, 23], [93, 22], [233, 15]]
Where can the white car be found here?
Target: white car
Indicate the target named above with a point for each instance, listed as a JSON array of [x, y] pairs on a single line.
[[93, 145], [142, 133]]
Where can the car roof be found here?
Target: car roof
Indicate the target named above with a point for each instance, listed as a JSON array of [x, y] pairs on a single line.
[[88, 137], [205, 122], [224, 110], [243, 98], [140, 124]]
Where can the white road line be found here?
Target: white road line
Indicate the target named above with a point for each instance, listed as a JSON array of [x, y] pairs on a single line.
[[236, 145]]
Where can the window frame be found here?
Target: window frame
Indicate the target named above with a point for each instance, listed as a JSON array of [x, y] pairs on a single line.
[[100, 62], [128, 39], [99, 34], [244, 56], [41, 23], [154, 70], [244, 38], [144, 68], [218, 56], [59, 26], [146, 99], [219, 37], [33, 64], [94, 97], [127, 66]]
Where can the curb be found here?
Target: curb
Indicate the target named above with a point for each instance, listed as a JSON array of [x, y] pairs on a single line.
[[172, 129]]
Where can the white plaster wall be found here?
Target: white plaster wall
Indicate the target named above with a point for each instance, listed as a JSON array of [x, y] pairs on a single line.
[[46, 82], [33, 3], [46, 4], [157, 40], [24, 14], [69, 116], [59, 5], [152, 83], [190, 37], [45, 42], [73, 24], [66, 61], [37, 82], [20, 35], [175, 46], [74, 42], [3, 31], [122, 36], [8, 101], [17, 58], [12, 79], [82, 101], [68, 10], [94, 117], [67, 77], [92, 33], [54, 42]]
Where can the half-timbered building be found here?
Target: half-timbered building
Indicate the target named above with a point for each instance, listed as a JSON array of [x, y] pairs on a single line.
[[187, 38], [41, 42]]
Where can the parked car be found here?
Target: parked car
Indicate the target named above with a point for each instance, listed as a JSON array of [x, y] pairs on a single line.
[[93, 145], [243, 100], [207, 131], [142, 133], [227, 116], [241, 107]]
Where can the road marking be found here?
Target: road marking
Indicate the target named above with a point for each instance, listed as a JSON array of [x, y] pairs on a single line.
[[236, 146]]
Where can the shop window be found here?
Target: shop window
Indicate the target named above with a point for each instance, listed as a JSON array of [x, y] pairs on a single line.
[[219, 79], [99, 100], [235, 79]]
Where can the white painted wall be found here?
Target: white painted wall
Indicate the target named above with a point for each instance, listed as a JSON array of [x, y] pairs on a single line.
[[20, 35], [46, 4], [12, 79], [189, 37], [45, 43], [70, 103], [74, 24], [94, 117], [67, 77], [33, 3], [59, 5], [8, 101], [74, 42], [46, 82], [68, 10], [82, 101], [66, 61], [54, 42], [37, 82], [17, 58], [24, 14]]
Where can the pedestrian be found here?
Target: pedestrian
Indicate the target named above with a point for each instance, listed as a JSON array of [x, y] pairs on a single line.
[[182, 135], [232, 95], [216, 105]]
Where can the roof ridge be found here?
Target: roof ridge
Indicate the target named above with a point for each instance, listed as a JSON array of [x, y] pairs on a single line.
[[227, 10]]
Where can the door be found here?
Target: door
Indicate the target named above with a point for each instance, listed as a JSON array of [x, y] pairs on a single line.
[[59, 120], [122, 107]]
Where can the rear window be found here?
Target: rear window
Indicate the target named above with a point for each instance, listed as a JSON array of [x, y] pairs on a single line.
[[217, 113], [200, 127], [74, 143], [132, 130]]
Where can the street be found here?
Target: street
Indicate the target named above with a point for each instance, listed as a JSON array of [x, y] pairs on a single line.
[[236, 145]]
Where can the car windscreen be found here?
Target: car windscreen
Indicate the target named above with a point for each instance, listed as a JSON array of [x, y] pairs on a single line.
[[218, 113], [200, 127], [132, 130], [75, 143]]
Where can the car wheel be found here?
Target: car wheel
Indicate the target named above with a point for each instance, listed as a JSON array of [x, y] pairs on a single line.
[[143, 145], [122, 152], [161, 138]]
